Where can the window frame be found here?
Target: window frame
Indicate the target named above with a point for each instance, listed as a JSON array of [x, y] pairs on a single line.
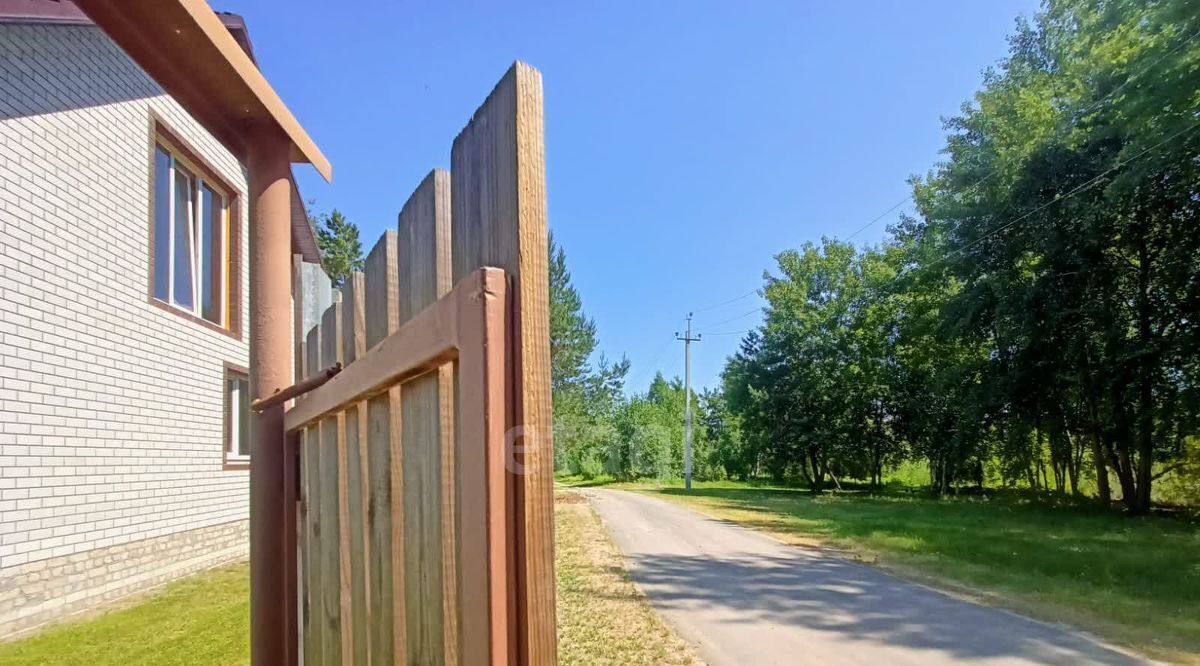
[[231, 461], [162, 136]]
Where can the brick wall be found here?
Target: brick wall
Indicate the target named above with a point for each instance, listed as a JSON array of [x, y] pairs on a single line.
[[110, 408], [45, 590]]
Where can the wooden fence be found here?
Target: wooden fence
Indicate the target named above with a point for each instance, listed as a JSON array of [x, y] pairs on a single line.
[[426, 517]]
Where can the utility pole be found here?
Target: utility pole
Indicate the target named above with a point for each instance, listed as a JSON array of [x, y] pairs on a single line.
[[687, 400]]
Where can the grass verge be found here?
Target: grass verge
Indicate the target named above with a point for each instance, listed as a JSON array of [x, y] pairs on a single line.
[[1133, 580], [204, 619], [602, 618]]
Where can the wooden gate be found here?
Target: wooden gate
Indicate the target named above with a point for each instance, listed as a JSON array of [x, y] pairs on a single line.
[[425, 490]]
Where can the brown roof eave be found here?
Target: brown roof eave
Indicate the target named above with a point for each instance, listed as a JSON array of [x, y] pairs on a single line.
[[186, 48], [64, 12], [304, 235]]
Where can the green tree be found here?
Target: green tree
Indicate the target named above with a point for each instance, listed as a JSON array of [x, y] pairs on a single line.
[[341, 250], [1066, 212], [585, 395], [650, 435], [728, 456], [1037, 316]]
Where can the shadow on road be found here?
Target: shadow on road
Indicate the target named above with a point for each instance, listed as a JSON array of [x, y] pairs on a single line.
[[857, 604]]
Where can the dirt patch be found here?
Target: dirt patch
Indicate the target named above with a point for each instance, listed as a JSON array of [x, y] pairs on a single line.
[[568, 497]]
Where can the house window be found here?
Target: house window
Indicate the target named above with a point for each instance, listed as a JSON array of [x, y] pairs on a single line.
[[237, 417], [193, 239]]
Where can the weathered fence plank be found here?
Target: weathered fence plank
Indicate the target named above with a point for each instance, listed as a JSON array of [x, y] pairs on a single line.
[[313, 294], [332, 493], [314, 609], [498, 203], [385, 513], [427, 418], [357, 547]]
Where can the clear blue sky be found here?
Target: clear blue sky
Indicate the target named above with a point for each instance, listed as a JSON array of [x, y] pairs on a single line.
[[686, 142]]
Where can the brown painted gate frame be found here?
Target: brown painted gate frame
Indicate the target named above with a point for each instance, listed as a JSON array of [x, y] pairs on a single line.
[[468, 327]]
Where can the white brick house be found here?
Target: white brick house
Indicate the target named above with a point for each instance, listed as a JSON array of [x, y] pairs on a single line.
[[123, 297]]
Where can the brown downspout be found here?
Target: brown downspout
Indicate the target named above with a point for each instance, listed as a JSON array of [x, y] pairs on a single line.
[[272, 623]]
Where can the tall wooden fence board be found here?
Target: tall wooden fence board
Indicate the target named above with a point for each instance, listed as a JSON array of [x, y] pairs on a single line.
[[357, 546], [424, 232], [498, 204], [426, 506], [424, 262], [385, 512], [312, 629], [330, 500]]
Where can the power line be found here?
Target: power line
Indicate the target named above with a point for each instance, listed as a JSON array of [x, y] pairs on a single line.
[[1092, 107], [1080, 188], [724, 303], [1145, 69], [1074, 191], [882, 215], [726, 321], [653, 363]]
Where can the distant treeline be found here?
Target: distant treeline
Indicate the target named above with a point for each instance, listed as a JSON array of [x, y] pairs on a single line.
[[1035, 324]]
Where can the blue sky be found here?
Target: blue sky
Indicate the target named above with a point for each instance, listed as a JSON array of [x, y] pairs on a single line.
[[686, 142]]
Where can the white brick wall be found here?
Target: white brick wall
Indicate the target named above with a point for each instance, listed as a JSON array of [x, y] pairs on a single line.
[[110, 408]]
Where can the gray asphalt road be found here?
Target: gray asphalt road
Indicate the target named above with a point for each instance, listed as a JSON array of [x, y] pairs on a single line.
[[744, 598]]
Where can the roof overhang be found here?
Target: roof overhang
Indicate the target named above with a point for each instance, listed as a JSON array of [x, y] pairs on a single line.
[[304, 236], [186, 49]]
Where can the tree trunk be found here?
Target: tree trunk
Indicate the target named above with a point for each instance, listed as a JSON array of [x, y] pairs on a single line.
[[1092, 396], [1145, 452], [1076, 448], [818, 474], [804, 471], [1121, 458], [945, 482], [1145, 425], [1098, 456], [1060, 456]]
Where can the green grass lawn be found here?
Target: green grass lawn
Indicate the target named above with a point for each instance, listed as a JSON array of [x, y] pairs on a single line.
[[1133, 580], [204, 620], [199, 620]]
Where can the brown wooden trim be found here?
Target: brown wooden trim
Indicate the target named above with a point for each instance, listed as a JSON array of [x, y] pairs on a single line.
[[426, 342], [228, 370], [161, 133], [188, 50], [192, 159]]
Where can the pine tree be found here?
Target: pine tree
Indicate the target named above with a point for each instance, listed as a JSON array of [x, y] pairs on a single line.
[[341, 250], [585, 396], [572, 333]]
